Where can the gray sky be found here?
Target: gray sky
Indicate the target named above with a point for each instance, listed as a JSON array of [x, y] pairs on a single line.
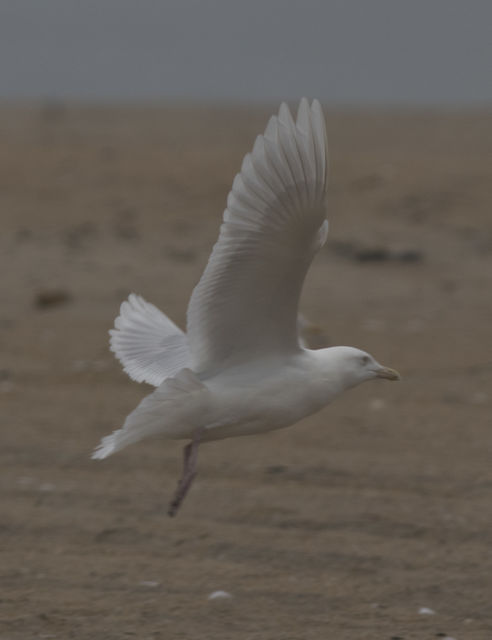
[[342, 51]]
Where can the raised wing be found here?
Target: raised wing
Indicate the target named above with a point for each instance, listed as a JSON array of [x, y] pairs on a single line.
[[148, 344], [246, 301]]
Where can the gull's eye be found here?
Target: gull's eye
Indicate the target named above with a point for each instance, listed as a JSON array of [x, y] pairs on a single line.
[[365, 360]]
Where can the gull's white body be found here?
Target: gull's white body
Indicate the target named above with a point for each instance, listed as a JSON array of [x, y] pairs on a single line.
[[241, 367], [239, 401]]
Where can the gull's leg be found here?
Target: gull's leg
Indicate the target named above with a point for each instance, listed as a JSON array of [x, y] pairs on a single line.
[[190, 455]]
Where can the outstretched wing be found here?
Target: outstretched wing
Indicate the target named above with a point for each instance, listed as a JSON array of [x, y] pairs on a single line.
[[148, 344], [246, 301]]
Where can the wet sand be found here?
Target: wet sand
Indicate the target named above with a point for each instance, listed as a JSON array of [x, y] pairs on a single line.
[[341, 527]]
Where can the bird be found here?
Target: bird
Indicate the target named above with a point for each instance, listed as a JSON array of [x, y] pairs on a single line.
[[242, 367]]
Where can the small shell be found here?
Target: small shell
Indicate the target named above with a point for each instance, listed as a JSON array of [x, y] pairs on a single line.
[[219, 594]]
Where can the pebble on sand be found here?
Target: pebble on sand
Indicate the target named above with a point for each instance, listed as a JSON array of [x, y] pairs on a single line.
[[377, 404], [216, 595], [47, 487], [425, 611], [49, 298]]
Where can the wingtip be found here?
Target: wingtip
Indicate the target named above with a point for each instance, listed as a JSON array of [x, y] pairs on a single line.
[[303, 109], [317, 111], [303, 103], [284, 114], [303, 121], [271, 128]]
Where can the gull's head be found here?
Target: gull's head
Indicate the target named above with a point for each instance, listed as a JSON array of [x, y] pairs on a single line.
[[354, 366]]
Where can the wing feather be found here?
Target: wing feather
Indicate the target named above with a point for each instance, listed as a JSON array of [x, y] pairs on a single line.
[[246, 301]]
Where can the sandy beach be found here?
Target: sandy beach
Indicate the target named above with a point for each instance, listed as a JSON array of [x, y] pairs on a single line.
[[340, 528]]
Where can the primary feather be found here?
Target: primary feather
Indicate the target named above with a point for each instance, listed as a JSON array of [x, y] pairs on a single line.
[[272, 227]]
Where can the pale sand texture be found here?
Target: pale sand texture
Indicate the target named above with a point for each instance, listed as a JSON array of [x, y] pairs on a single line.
[[338, 528]]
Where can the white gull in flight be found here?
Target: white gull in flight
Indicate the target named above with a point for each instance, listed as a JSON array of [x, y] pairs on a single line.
[[241, 367]]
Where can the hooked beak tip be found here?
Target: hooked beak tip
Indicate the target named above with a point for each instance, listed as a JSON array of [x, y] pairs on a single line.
[[388, 374]]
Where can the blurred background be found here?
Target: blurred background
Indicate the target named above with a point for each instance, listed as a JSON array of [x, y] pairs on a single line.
[[344, 52], [122, 125]]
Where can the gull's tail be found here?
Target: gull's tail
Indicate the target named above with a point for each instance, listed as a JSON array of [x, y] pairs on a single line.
[[148, 344]]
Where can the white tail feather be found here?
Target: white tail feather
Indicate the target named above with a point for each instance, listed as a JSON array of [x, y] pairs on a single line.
[[148, 344]]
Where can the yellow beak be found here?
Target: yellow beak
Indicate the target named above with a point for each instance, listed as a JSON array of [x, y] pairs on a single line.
[[389, 374]]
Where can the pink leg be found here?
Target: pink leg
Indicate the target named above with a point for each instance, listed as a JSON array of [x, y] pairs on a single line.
[[190, 455]]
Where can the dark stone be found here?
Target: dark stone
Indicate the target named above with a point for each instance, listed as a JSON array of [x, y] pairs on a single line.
[[50, 298]]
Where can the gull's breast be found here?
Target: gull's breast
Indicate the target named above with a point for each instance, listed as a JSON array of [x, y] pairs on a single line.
[[244, 406]]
